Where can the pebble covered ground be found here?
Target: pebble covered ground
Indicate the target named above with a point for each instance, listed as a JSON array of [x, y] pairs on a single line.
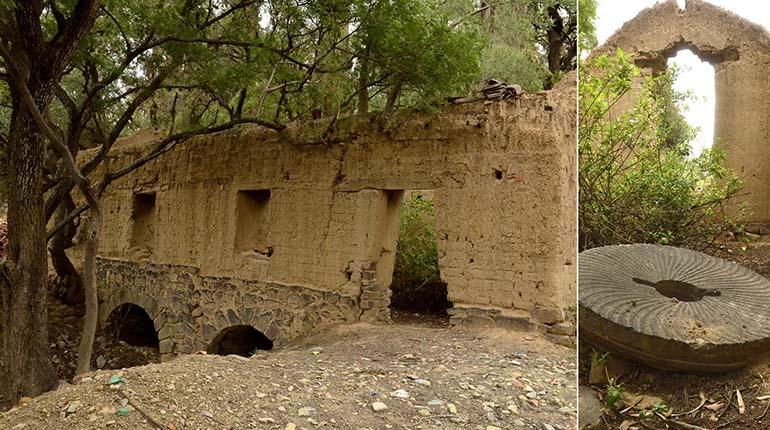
[[350, 377]]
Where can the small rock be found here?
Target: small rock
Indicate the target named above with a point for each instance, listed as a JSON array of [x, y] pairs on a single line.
[[266, 420], [424, 382], [291, 426], [423, 412], [451, 408], [435, 403], [72, 407], [100, 362], [305, 412], [401, 394], [237, 357], [208, 414], [379, 406]]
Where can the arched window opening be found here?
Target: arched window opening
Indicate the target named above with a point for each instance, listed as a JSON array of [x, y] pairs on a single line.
[[696, 77]]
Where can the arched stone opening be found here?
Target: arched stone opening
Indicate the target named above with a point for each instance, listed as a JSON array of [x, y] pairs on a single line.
[[241, 340], [657, 60], [131, 324]]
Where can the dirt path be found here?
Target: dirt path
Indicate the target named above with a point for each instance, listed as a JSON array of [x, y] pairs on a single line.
[[426, 377]]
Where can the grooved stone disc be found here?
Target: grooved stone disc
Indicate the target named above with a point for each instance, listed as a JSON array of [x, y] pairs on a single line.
[[673, 308]]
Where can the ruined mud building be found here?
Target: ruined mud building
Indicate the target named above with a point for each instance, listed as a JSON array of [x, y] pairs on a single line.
[[285, 232], [739, 51]]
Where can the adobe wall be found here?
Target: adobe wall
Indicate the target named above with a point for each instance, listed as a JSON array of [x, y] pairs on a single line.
[[740, 53], [323, 228]]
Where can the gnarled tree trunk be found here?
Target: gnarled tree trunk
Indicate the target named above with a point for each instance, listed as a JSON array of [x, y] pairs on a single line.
[[26, 356], [71, 288]]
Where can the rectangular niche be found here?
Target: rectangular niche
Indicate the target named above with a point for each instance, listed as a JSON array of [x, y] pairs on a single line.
[[252, 221], [143, 216]]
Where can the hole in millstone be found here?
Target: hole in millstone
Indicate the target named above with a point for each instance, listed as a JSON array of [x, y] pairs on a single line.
[[682, 291], [241, 340]]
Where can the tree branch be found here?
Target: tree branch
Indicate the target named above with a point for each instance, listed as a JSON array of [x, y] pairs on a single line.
[[160, 148], [58, 144]]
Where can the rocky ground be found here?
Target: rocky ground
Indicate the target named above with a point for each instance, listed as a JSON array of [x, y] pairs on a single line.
[[351, 377], [691, 402]]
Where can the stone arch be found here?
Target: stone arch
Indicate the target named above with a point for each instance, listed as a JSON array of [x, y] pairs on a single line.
[[739, 50], [148, 304], [132, 324], [214, 324], [239, 339]]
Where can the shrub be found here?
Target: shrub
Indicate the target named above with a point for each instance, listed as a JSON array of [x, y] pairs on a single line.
[[638, 180], [416, 283]]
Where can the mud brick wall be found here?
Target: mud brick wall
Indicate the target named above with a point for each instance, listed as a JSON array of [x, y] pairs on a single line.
[[288, 232], [740, 53]]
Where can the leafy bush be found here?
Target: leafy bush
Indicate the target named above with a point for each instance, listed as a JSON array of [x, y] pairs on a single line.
[[416, 281], [638, 180]]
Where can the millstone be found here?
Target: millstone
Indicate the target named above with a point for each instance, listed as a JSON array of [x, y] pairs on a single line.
[[673, 308]]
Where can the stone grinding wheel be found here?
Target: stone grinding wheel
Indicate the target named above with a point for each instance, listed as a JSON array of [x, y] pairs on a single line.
[[672, 308]]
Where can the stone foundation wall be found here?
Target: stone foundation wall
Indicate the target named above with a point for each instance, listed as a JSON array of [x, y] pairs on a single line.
[[189, 310]]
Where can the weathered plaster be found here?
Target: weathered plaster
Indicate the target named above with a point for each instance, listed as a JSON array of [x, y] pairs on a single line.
[[503, 177]]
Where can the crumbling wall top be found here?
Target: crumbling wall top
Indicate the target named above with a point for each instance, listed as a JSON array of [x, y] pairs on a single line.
[[711, 32]]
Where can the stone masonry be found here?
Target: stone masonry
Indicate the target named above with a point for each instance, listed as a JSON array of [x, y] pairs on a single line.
[[291, 231]]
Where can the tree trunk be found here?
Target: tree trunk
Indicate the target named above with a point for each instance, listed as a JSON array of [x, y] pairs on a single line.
[[92, 302], [393, 96], [27, 369], [363, 82], [555, 48], [71, 283]]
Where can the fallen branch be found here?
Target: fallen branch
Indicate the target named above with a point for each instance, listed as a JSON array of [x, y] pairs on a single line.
[[764, 413], [702, 403], [680, 423], [147, 416]]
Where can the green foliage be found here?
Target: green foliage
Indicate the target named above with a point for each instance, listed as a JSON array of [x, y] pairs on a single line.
[[613, 393], [281, 60], [600, 358], [638, 180], [410, 42], [416, 280], [513, 51], [658, 408], [586, 26]]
